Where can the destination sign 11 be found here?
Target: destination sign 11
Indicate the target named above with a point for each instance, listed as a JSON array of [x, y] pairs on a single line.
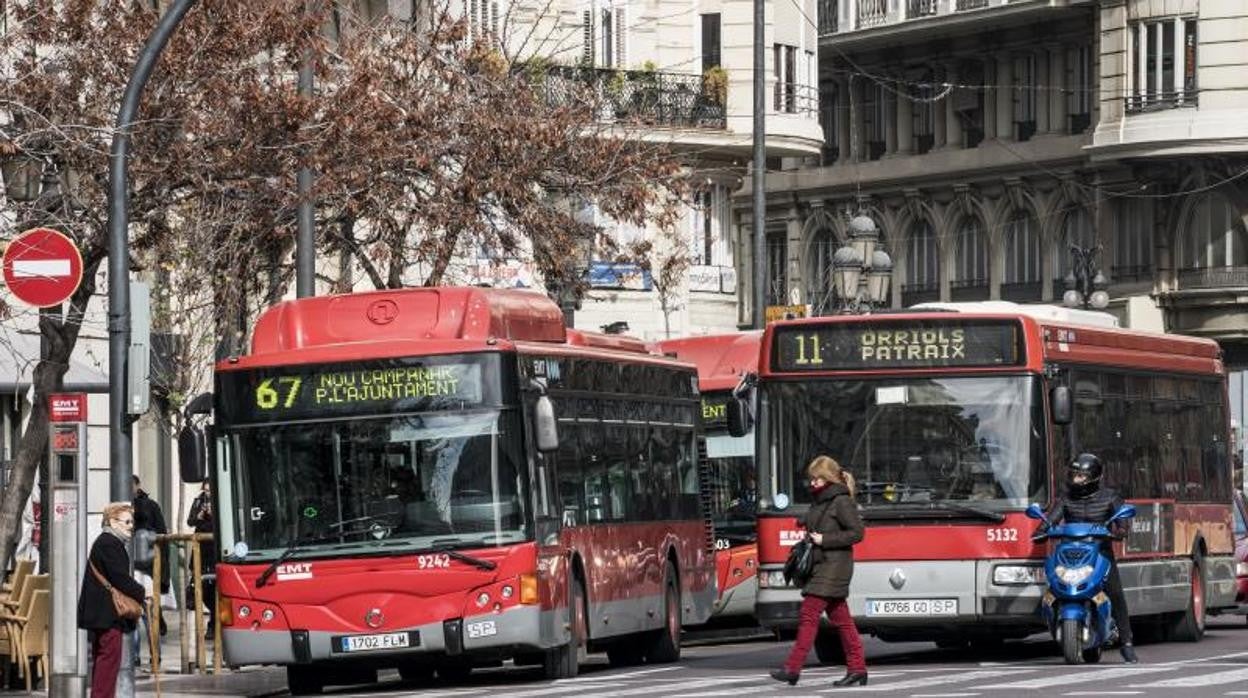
[[880, 345]]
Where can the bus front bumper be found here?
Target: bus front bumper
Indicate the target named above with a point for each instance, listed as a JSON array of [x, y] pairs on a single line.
[[924, 600], [518, 629]]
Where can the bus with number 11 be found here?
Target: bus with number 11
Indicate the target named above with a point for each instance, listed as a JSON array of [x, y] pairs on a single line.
[[438, 479]]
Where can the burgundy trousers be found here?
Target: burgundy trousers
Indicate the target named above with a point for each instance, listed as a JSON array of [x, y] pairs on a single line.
[[106, 649], [808, 627]]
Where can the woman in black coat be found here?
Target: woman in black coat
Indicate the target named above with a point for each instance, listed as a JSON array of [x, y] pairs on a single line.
[[834, 526], [96, 614]]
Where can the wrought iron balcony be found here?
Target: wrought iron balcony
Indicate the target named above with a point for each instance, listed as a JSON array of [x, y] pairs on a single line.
[[650, 97], [970, 5], [872, 13], [836, 16], [920, 8], [1157, 101], [791, 98], [1213, 277], [829, 16]]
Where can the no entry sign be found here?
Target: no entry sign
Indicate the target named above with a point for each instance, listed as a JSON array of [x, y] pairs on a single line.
[[42, 267]]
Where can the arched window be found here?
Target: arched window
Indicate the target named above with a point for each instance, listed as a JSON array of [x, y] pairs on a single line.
[[1133, 240], [819, 273], [970, 262], [1021, 278], [1076, 231], [1213, 242], [922, 281], [777, 290]]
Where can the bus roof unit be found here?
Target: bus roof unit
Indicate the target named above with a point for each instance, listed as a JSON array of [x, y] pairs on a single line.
[[437, 313], [1041, 312], [721, 359]]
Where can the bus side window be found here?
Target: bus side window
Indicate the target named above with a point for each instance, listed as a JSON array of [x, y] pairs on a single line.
[[568, 466], [663, 468]]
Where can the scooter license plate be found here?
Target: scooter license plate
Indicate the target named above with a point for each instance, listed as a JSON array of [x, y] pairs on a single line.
[[912, 607]]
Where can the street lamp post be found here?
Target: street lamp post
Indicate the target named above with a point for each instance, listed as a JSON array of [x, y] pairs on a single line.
[[1085, 284], [861, 272]]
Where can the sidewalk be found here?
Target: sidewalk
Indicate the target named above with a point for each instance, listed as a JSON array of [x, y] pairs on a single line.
[[247, 681]]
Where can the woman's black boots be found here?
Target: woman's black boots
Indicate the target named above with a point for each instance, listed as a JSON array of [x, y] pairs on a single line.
[[784, 676], [852, 679]]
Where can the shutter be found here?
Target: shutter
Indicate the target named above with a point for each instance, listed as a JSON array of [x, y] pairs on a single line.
[[495, 29], [621, 36], [587, 38], [474, 18]]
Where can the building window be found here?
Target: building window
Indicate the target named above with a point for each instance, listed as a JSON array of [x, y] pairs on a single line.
[[923, 113], [1076, 231], [829, 120], [970, 271], [1024, 97], [1022, 250], [1162, 71], [874, 120], [922, 281], [819, 284], [777, 269], [1213, 236], [709, 244], [1079, 98], [785, 71], [1133, 240], [711, 51]]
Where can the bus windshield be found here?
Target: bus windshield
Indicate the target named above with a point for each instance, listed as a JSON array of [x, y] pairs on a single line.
[[409, 481], [915, 443], [729, 464]]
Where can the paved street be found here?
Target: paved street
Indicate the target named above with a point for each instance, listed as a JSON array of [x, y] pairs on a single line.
[[1218, 666]]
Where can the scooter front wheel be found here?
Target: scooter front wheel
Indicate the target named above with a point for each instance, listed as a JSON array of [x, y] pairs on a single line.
[[1072, 646]]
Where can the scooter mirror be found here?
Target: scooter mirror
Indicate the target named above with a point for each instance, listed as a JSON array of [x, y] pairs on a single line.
[[1126, 511], [1035, 512]]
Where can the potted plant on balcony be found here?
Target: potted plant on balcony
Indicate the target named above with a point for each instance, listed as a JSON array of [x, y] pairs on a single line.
[[615, 88], [715, 85], [646, 92]]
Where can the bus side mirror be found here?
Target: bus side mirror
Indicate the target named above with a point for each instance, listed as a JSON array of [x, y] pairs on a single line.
[[1060, 404], [193, 455], [738, 417], [545, 426]]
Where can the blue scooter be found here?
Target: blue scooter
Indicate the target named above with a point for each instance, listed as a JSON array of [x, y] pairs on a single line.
[[1076, 609]]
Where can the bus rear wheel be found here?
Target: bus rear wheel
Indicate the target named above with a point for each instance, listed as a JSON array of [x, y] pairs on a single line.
[[565, 662], [304, 680], [1189, 626], [665, 648]]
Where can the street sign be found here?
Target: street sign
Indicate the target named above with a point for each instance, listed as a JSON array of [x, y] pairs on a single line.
[[42, 267], [784, 312]]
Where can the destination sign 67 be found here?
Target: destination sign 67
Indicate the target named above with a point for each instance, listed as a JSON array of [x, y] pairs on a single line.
[[881, 344]]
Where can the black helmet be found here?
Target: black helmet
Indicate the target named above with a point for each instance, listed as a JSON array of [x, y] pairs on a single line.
[[1084, 464]]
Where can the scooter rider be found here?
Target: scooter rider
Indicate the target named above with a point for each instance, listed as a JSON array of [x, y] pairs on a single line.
[[1086, 501]]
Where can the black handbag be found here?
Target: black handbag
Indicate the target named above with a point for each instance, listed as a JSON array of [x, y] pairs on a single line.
[[801, 563]]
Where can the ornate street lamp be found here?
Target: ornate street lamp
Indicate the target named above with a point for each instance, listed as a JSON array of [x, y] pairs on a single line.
[[22, 177], [860, 272], [1085, 284]]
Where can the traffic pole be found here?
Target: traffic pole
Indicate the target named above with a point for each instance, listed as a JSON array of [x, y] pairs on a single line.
[[759, 177], [119, 437]]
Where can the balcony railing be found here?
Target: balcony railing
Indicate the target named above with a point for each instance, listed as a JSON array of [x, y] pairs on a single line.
[[1154, 101], [650, 97], [829, 16], [792, 98], [961, 5], [872, 13], [968, 289], [1124, 274], [920, 8], [1213, 277], [1022, 292], [919, 293]]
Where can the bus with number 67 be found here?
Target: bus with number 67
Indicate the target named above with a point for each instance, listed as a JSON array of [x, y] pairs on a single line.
[[439, 479]]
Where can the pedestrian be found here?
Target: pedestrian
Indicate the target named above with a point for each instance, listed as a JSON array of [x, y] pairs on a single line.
[[834, 526], [200, 520], [149, 522], [96, 613]]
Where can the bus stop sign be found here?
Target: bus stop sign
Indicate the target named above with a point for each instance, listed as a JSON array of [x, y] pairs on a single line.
[[42, 267]]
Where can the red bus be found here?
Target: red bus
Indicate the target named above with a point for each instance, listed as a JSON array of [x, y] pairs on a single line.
[[952, 422], [728, 460], [440, 478]]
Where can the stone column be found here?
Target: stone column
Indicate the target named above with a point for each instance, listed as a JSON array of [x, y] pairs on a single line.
[[890, 121], [990, 99], [939, 114], [1005, 97], [905, 125], [856, 135], [793, 250], [953, 120], [1057, 102]]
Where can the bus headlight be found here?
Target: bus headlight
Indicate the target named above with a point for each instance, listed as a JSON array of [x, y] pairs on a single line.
[[1073, 575], [1241, 569], [1004, 575], [773, 579]]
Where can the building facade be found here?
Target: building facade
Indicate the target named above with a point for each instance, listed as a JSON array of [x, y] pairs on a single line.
[[986, 137]]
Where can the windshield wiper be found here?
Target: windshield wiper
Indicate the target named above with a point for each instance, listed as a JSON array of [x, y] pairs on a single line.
[[297, 544], [448, 547], [290, 550], [967, 508], [901, 510]]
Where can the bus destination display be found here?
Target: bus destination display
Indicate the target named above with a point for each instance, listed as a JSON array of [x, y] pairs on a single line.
[[291, 393], [715, 410], [885, 345]]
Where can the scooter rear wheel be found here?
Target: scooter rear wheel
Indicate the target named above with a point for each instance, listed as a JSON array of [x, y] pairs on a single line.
[[1072, 646], [1092, 655]]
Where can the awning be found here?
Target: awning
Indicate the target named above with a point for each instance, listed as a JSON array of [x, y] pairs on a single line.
[[19, 352]]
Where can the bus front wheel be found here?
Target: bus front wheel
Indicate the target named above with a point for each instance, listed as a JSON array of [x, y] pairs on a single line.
[[665, 648], [564, 662], [1189, 626]]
